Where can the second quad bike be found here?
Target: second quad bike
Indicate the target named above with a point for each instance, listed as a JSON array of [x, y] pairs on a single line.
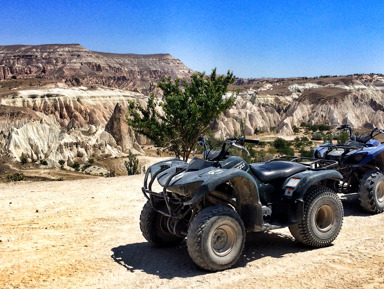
[[213, 201], [361, 162]]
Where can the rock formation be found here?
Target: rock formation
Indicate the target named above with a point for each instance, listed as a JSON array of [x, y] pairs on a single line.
[[66, 124], [121, 132], [76, 65], [81, 114]]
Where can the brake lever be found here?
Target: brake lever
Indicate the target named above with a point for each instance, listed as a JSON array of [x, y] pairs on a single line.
[[241, 147]]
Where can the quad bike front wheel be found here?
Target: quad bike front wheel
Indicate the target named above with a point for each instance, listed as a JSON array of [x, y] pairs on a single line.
[[216, 238], [323, 218], [154, 227], [371, 192]]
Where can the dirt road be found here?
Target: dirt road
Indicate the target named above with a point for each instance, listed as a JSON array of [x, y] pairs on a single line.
[[85, 234]]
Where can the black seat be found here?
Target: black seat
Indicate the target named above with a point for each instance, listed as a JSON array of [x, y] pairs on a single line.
[[275, 170]]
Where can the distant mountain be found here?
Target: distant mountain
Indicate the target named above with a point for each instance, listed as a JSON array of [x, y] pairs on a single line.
[[74, 64], [57, 109]]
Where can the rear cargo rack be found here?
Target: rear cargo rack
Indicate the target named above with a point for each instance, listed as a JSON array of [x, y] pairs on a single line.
[[311, 163]]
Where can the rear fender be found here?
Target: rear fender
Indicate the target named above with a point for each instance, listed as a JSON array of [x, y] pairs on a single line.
[[245, 189], [297, 185]]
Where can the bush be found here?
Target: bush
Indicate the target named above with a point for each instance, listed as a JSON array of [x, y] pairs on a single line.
[[287, 151], [16, 177], [327, 138], [61, 163], [305, 153], [76, 166], [283, 147], [324, 127], [317, 136], [342, 137], [23, 159], [132, 165], [280, 143]]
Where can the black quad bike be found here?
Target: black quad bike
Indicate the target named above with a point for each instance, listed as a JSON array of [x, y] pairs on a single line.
[[214, 201], [361, 162]]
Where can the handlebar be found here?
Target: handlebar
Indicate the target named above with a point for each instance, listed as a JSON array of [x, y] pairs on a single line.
[[361, 139], [237, 142]]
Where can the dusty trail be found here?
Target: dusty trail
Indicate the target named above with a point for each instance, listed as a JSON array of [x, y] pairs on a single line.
[[85, 234]]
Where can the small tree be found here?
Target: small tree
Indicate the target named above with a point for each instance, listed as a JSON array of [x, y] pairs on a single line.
[[188, 108], [132, 165], [342, 137], [61, 163]]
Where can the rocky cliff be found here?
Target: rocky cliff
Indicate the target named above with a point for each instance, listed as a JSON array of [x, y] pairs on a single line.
[[281, 104], [76, 65], [65, 120], [69, 124]]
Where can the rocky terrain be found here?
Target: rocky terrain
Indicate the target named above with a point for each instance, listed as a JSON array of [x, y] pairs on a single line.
[[70, 124], [280, 104], [73, 64], [64, 102]]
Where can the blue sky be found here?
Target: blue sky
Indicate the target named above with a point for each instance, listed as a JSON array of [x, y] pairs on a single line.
[[251, 38]]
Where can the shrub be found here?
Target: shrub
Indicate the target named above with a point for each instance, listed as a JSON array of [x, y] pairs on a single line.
[[317, 136], [132, 165], [342, 137], [76, 166], [16, 177], [61, 163], [305, 153], [23, 159]]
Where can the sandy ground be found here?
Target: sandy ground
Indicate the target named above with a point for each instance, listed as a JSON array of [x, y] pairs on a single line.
[[85, 234]]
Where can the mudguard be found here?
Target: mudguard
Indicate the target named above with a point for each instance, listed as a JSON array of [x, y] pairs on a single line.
[[364, 156], [296, 186], [167, 163], [245, 188]]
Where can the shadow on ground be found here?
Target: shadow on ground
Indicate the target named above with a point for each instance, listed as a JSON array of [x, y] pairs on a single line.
[[352, 207], [168, 263]]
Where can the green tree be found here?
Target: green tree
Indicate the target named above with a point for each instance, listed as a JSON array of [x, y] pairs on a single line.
[[342, 137], [327, 138], [188, 108], [282, 146], [132, 165]]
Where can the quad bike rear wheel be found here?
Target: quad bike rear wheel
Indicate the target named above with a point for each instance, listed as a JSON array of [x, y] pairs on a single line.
[[323, 218], [153, 226], [371, 192], [216, 238]]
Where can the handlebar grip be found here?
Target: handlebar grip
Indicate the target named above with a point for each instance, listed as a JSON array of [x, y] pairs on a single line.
[[254, 141]]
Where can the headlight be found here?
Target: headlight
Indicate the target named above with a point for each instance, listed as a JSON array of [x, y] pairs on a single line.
[[187, 190]]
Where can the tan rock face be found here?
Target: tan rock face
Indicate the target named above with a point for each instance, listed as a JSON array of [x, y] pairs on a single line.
[[122, 133], [66, 124], [69, 123], [77, 65]]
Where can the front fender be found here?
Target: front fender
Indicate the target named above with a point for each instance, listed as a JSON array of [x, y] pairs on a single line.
[[245, 189]]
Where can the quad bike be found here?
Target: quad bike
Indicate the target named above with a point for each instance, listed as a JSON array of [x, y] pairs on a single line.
[[361, 162], [214, 201]]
